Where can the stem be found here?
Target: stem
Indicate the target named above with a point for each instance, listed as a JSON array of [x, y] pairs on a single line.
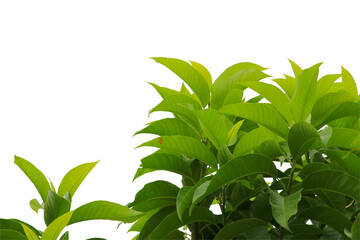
[[223, 206], [280, 233], [307, 155], [195, 233]]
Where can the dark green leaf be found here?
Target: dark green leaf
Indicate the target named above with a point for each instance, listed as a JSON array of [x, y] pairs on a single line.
[[355, 228], [284, 207], [333, 181], [301, 137], [235, 229], [65, 236], [55, 206], [328, 216], [155, 195], [349, 161]]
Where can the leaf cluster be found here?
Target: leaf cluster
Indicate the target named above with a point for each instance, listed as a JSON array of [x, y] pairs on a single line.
[[228, 150]]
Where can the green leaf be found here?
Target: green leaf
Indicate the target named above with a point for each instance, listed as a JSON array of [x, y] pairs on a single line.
[[312, 168], [302, 135], [29, 233], [251, 140], [260, 207], [169, 126], [184, 145], [328, 216], [348, 82], [324, 84], [274, 95], [155, 195], [344, 137], [288, 84], [185, 196], [304, 96], [190, 75], [181, 106], [214, 126], [232, 134], [203, 71], [172, 222], [10, 234], [284, 207], [349, 161], [35, 176], [167, 162], [55, 206], [163, 91], [224, 155], [35, 205], [12, 225], [219, 92], [139, 224], [237, 168], [333, 181], [65, 236], [355, 228], [154, 221], [297, 70], [54, 229], [74, 178], [234, 96], [237, 228], [325, 108], [261, 113]]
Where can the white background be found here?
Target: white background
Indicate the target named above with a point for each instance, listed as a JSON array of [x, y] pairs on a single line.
[[73, 80]]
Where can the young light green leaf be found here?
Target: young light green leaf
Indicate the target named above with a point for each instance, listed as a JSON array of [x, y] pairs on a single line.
[[348, 82], [35, 176], [172, 222], [344, 137], [167, 162], [190, 75], [326, 105], [29, 233], [288, 84], [184, 145], [237, 228], [155, 195], [214, 126], [237, 168], [184, 90], [55, 206], [220, 92], [181, 106], [261, 113], [169, 126], [304, 95], [203, 71], [274, 95], [284, 207], [35, 205], [301, 137], [296, 69], [333, 181], [251, 140], [232, 134], [163, 91], [74, 178], [55, 228], [328, 216], [324, 84]]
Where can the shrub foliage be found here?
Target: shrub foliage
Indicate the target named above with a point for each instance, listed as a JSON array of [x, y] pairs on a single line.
[[228, 150]]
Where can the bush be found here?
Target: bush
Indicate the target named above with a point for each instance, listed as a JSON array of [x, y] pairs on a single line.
[[225, 148]]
